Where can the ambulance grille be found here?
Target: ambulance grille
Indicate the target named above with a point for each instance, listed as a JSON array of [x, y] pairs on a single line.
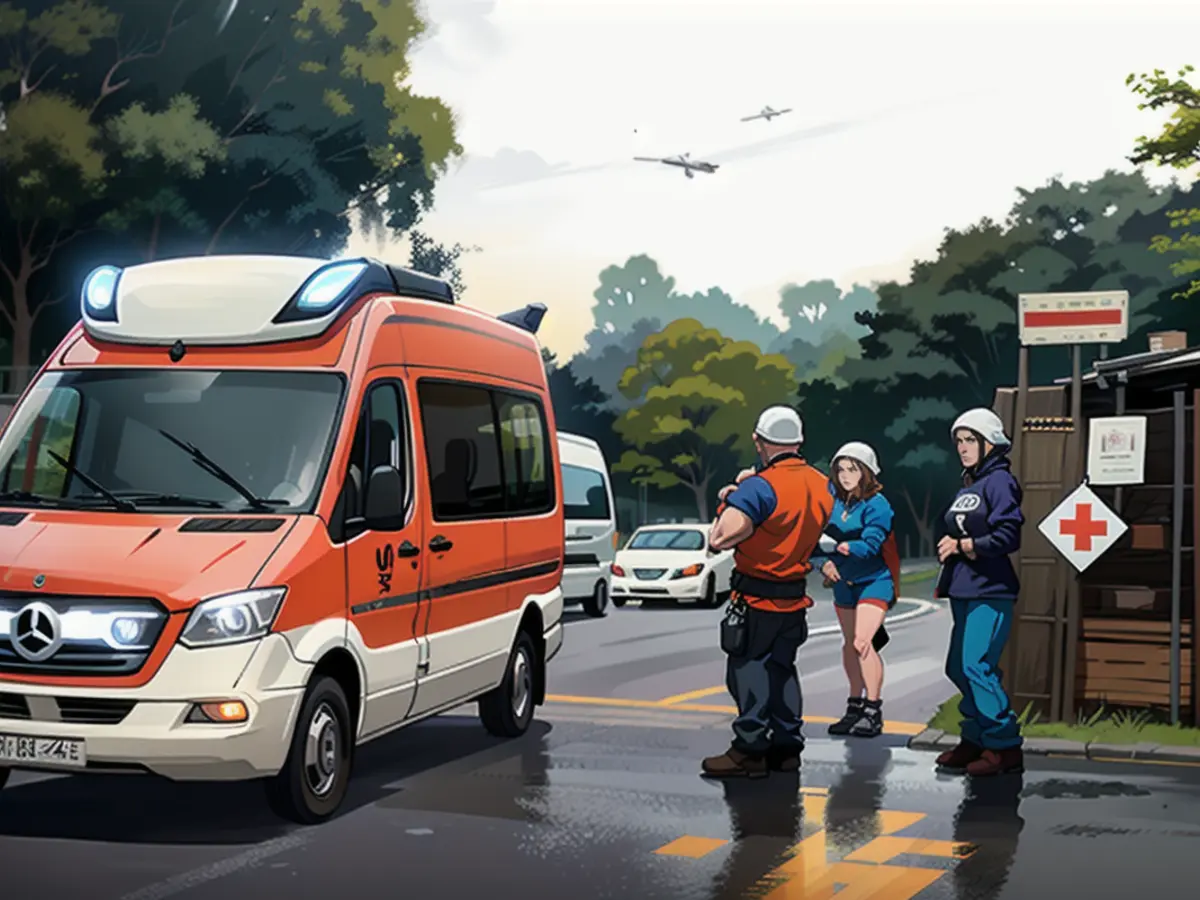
[[13, 706]]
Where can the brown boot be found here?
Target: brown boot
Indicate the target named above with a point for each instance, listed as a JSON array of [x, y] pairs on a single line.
[[780, 759], [735, 764], [998, 762], [960, 757]]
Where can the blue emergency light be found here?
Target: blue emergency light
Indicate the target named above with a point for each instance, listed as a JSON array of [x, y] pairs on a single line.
[[100, 294]]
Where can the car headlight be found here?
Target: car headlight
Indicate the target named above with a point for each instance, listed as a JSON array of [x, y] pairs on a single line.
[[688, 571], [244, 616]]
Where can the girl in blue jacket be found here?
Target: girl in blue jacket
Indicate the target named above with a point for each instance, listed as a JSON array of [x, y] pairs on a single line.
[[982, 527], [854, 556]]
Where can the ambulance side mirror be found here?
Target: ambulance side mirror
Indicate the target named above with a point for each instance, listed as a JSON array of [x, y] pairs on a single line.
[[384, 507]]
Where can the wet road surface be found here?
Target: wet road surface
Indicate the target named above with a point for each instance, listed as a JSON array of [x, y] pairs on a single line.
[[602, 799], [604, 811]]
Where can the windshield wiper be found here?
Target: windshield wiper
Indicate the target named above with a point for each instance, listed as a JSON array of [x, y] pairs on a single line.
[[122, 505], [199, 458], [29, 497], [151, 499]]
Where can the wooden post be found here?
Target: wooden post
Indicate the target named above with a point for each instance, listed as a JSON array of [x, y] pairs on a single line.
[[1118, 493], [1020, 408], [1177, 551], [1068, 618], [1195, 559]]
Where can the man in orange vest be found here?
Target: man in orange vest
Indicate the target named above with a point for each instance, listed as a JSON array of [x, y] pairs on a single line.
[[773, 520]]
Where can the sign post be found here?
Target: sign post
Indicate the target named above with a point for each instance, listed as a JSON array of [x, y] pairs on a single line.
[[1065, 319]]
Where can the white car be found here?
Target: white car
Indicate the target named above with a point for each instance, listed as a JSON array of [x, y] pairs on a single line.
[[671, 562]]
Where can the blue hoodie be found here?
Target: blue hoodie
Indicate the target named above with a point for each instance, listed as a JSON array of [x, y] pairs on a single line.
[[988, 510], [864, 526]]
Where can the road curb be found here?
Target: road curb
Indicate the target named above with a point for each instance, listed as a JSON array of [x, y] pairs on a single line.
[[933, 739]]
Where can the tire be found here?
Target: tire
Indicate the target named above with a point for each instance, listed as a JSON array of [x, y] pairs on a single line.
[[711, 599], [596, 605], [619, 600], [314, 779], [507, 710]]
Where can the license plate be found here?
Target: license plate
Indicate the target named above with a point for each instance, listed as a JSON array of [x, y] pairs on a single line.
[[37, 751]]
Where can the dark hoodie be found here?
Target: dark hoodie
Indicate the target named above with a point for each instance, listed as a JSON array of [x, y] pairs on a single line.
[[987, 510]]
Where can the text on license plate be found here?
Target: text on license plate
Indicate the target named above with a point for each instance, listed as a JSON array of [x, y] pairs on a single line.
[[15, 749]]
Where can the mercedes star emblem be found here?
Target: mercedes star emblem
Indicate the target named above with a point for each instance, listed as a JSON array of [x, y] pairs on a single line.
[[36, 633], [39, 580]]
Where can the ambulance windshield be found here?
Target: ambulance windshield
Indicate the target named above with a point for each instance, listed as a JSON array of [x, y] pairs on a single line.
[[237, 441]]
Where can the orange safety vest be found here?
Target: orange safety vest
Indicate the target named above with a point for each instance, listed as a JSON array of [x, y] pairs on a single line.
[[779, 549]]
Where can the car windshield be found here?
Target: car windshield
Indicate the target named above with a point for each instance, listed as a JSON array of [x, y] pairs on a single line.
[[584, 494], [668, 539], [229, 440]]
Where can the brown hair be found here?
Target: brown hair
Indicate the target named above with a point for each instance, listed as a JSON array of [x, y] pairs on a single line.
[[867, 488]]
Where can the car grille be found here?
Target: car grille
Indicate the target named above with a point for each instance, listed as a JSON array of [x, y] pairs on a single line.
[[78, 656], [13, 706], [79, 710], [649, 574]]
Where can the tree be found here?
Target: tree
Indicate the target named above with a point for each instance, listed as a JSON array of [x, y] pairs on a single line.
[[133, 131], [1177, 146], [697, 395], [428, 256]]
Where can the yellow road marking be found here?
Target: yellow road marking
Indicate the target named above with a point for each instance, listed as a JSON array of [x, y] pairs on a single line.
[[693, 695], [886, 848], [819, 791], [907, 729], [1136, 762], [691, 847], [864, 873]]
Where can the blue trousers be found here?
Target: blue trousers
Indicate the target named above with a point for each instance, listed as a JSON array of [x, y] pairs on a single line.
[[981, 629]]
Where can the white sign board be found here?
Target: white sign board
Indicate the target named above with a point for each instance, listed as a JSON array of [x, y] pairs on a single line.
[[1117, 450], [1081, 528], [1091, 317]]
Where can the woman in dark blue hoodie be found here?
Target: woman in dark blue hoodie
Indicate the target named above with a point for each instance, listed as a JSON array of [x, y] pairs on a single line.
[[982, 527]]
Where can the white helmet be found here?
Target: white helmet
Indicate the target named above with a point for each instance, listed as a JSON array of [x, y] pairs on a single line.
[[780, 425], [984, 423], [860, 453]]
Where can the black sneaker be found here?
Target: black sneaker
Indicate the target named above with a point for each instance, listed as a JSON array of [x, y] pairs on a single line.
[[854, 712], [870, 723]]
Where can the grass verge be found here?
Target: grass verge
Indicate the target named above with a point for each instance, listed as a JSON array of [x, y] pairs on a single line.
[[918, 577], [1106, 726]]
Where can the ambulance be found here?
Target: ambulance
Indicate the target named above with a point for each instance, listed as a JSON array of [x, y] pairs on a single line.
[[258, 510]]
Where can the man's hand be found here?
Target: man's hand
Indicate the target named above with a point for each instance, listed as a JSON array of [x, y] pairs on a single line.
[[946, 548], [829, 570], [843, 548], [968, 547], [744, 474], [726, 491]]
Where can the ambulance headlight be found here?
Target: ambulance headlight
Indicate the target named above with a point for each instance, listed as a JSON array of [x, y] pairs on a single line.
[[325, 291], [100, 294], [233, 618]]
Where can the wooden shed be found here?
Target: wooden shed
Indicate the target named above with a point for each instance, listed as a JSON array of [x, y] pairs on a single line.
[[1113, 635]]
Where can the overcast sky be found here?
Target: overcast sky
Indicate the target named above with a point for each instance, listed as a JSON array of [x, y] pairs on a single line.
[[908, 118]]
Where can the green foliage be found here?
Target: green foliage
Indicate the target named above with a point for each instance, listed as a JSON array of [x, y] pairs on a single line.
[[1176, 146], [134, 132], [696, 397]]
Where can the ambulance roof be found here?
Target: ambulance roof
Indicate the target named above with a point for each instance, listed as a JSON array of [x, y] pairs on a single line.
[[228, 300]]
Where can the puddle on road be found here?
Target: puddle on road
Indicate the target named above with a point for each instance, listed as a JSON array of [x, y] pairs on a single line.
[[1062, 789]]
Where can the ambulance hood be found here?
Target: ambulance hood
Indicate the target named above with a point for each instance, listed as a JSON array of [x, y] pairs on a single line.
[[103, 554]]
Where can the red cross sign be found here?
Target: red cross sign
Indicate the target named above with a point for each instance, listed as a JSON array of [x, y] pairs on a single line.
[[1083, 527]]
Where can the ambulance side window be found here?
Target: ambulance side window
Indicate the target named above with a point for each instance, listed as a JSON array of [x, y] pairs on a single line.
[[380, 439], [31, 468]]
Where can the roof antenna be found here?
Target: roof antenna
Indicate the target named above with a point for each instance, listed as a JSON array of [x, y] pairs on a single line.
[[178, 351]]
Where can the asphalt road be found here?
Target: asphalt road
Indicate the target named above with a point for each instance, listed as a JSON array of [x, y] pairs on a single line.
[[602, 799]]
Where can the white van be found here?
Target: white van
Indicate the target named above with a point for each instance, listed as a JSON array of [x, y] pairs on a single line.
[[591, 525]]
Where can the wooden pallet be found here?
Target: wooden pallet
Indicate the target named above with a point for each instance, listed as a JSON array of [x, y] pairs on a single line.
[[1128, 662]]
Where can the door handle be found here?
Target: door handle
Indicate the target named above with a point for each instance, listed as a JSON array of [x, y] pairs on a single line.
[[440, 544], [408, 549]]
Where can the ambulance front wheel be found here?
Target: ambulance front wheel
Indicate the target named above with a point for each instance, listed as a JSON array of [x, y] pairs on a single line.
[[507, 710], [314, 779]]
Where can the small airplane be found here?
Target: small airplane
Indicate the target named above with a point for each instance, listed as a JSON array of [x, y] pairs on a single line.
[[683, 162], [767, 113]]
